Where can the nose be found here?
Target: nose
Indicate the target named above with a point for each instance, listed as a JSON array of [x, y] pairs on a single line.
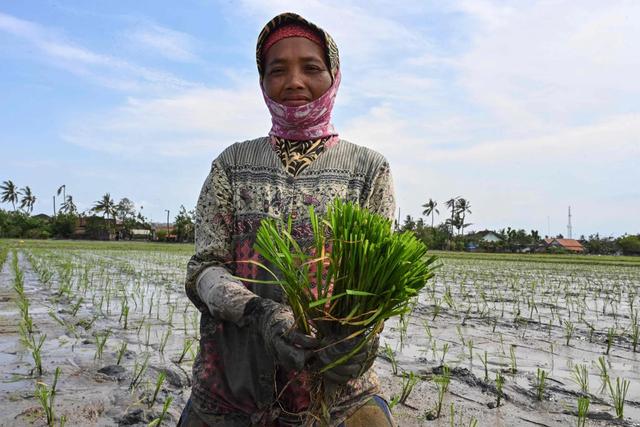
[[294, 79]]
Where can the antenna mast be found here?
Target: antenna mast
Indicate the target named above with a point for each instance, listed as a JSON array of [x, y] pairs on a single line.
[[569, 228]]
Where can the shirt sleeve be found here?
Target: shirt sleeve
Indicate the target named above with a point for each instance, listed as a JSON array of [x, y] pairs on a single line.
[[209, 284], [382, 199]]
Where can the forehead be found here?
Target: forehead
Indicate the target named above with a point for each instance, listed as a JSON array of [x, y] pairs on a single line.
[[294, 49]]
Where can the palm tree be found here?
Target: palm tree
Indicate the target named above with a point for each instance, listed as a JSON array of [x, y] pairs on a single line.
[[28, 199], [68, 206], [451, 204], [464, 207], [62, 189], [10, 193], [105, 205], [429, 209]]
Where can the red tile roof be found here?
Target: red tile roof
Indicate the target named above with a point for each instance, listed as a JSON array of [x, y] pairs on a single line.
[[570, 244]]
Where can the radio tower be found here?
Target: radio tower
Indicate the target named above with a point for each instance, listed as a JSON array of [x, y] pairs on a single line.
[[569, 229]]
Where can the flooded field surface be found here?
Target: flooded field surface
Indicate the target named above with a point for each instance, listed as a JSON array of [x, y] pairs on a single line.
[[103, 335]]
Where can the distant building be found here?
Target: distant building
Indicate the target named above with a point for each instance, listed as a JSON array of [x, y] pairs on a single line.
[[570, 245], [482, 240], [485, 236]]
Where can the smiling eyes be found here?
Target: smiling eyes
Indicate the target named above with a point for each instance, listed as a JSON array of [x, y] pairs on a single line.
[[279, 70]]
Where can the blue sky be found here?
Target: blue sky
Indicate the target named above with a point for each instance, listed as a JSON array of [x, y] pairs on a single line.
[[522, 107]]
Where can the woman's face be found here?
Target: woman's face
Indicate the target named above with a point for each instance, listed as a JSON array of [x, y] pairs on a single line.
[[295, 72]]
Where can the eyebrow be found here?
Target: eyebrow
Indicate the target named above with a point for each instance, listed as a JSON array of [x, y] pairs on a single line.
[[276, 61]]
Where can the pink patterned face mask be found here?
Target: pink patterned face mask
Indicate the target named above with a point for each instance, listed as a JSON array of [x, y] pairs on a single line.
[[305, 122]]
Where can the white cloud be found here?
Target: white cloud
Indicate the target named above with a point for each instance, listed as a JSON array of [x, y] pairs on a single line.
[[537, 65], [171, 44], [191, 123], [106, 70]]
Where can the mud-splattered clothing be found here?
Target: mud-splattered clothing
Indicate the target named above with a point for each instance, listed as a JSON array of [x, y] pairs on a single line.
[[235, 381]]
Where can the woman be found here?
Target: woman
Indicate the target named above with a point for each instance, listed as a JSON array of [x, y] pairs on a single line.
[[252, 368]]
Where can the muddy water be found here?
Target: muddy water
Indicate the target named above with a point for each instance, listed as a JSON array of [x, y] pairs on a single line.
[[496, 306]]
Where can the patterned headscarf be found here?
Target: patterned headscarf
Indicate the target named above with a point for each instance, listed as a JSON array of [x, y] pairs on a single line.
[[313, 120], [330, 48]]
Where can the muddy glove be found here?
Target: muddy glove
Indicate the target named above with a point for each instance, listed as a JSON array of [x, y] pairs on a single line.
[[357, 365], [290, 347]]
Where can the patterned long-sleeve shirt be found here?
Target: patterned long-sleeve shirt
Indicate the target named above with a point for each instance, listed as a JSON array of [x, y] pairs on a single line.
[[235, 380]]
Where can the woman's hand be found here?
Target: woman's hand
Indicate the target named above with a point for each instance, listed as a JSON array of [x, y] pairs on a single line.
[[275, 322], [354, 367]]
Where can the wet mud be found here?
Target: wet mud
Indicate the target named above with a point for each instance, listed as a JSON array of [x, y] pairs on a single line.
[[124, 335]]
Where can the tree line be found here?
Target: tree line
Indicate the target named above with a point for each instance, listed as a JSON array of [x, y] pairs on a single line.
[[105, 219], [450, 234]]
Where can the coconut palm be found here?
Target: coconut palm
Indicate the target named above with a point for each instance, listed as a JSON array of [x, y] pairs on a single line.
[[451, 204], [28, 199], [62, 189], [430, 209], [9, 193], [68, 206], [105, 205], [464, 207]]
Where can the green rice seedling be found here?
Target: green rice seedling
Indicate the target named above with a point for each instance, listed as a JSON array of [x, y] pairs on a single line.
[[172, 308], [470, 347], [158, 421], [452, 415], [121, 350], [161, 377], [591, 329], [459, 331], [142, 323], [395, 399], [611, 333], [514, 360], [138, 371], [445, 350], [499, 386], [442, 383], [76, 306], [436, 308], [163, 340], [391, 355], [618, 395], [125, 315], [466, 316], [427, 329], [26, 323], [569, 329], [404, 326], [541, 378], [635, 334], [36, 348], [448, 298], [485, 365], [603, 372], [147, 334], [151, 304], [46, 396], [101, 340], [186, 345], [409, 381], [473, 422], [580, 375], [583, 410]]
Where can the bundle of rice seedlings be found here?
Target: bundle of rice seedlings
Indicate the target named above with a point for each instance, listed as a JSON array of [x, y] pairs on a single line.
[[355, 274]]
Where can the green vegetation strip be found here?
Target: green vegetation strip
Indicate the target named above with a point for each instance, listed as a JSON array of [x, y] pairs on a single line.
[[91, 245], [542, 258]]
